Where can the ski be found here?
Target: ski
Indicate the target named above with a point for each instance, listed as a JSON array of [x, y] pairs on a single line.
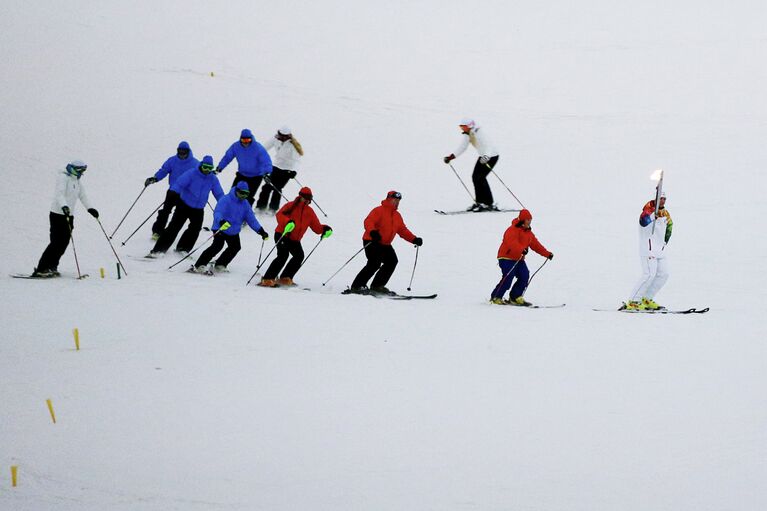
[[691, 310], [558, 306], [390, 296], [463, 211], [33, 277]]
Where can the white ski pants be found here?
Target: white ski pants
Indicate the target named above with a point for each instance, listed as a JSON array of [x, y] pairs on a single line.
[[654, 276]]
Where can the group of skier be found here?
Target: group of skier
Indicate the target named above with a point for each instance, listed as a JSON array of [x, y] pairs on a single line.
[[192, 181]]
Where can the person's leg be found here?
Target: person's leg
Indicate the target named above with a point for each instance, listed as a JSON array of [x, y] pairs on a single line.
[[233, 246], [59, 241], [168, 236], [253, 184], [479, 178], [297, 257], [162, 216], [523, 277], [389, 260], [212, 250], [649, 267], [507, 278], [661, 276], [279, 179], [374, 259], [279, 261], [263, 197], [189, 238]]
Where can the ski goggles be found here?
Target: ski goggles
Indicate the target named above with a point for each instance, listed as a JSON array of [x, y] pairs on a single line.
[[72, 169], [207, 168], [242, 194], [394, 195], [245, 140]]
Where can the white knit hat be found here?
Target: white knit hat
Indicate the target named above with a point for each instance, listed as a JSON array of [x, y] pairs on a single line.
[[466, 121], [285, 130]]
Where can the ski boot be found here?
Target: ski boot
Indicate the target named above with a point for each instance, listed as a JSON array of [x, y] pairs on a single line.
[[286, 281], [632, 305], [382, 290], [220, 268], [497, 301], [267, 283], [519, 301], [649, 304], [43, 274]]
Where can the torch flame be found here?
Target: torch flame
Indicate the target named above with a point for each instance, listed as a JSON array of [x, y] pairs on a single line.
[[656, 175]]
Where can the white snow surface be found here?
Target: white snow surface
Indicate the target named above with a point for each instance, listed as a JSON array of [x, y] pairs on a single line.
[[196, 393]]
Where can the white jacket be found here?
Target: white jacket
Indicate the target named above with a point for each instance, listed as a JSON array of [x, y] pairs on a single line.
[[68, 190], [286, 156], [653, 244], [478, 138]]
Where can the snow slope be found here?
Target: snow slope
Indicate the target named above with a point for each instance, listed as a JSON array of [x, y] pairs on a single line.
[[195, 393]]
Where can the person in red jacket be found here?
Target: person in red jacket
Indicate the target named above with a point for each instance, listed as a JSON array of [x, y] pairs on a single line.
[[517, 239], [293, 219], [381, 224]]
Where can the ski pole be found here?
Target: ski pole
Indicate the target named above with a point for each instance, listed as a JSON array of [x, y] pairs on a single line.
[[260, 264], [314, 201], [347, 262], [126, 214], [261, 251], [310, 253], [211, 207], [142, 223], [533, 275], [74, 250], [414, 263], [462, 183], [504, 185], [193, 250], [112, 247]]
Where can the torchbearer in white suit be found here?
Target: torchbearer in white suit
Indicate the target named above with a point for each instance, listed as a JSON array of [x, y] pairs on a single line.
[[654, 235]]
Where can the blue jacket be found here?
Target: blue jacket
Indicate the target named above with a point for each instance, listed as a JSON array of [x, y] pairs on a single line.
[[194, 187], [176, 167], [251, 161], [235, 211]]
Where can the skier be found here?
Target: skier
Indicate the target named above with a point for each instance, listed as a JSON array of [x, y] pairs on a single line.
[[230, 213], [173, 167], [293, 219], [193, 189], [381, 224], [253, 162], [488, 157], [517, 240], [287, 155], [62, 221], [652, 255]]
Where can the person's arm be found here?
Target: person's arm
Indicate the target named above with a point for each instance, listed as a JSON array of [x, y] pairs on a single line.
[[228, 157], [218, 192], [163, 171], [538, 247]]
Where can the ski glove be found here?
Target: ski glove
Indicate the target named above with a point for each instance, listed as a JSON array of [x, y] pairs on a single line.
[[150, 180], [375, 236], [327, 232], [261, 232], [65, 210], [418, 242], [224, 226], [550, 256], [448, 159], [218, 170], [289, 227], [292, 174], [94, 212]]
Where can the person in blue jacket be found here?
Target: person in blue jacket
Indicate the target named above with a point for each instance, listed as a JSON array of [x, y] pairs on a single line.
[[193, 189], [253, 162], [173, 167], [228, 217]]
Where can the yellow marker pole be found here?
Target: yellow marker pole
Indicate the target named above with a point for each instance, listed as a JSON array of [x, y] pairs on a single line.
[[102, 272], [76, 333], [14, 475], [50, 409]]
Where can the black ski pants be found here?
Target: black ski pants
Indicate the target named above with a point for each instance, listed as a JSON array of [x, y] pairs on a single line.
[[285, 248], [182, 213], [171, 199], [382, 260], [253, 184], [60, 235], [279, 178], [232, 247], [482, 193]]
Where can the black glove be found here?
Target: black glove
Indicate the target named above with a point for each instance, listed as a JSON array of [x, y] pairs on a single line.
[[418, 242], [150, 180], [218, 170], [94, 213], [525, 251], [448, 159], [65, 210], [375, 236], [261, 232], [292, 174], [551, 256]]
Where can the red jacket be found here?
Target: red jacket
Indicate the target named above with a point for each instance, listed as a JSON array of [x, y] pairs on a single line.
[[516, 240], [387, 221], [303, 216]]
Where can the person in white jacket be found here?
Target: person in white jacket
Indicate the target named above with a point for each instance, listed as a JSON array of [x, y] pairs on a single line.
[[654, 235], [68, 190], [287, 157], [488, 158]]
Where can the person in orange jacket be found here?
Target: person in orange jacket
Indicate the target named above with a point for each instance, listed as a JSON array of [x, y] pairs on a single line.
[[517, 239], [381, 225], [293, 219]]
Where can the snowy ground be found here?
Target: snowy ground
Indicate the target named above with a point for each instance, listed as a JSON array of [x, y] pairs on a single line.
[[197, 393]]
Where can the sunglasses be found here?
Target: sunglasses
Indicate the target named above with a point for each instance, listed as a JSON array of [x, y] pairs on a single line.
[[246, 140], [395, 195], [242, 194], [206, 167]]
